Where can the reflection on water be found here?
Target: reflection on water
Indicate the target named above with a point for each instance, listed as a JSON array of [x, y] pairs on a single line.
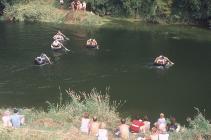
[[123, 63]]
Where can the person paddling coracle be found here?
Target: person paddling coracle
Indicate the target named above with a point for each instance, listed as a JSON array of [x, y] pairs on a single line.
[[57, 43], [162, 61], [42, 59], [60, 36]]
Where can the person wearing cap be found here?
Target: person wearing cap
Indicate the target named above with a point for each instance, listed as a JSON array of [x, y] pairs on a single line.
[[6, 119]]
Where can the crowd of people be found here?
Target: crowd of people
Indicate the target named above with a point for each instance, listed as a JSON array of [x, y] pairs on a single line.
[[138, 127], [78, 5], [14, 120]]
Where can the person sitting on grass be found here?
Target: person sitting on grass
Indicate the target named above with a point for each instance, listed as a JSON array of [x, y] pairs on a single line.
[[102, 133], [16, 119], [154, 135], [94, 126], [146, 124], [85, 123], [137, 125], [161, 123], [123, 130], [6, 119], [173, 126]]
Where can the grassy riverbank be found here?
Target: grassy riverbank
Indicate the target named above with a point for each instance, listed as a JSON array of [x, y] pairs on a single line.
[[62, 120], [49, 11]]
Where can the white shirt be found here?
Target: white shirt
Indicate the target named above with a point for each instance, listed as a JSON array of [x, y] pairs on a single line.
[[85, 125], [161, 120], [56, 43], [102, 134], [146, 125], [6, 121], [58, 37], [163, 136], [61, 1]]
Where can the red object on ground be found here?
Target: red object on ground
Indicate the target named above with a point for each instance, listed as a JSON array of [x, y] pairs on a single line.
[[135, 126]]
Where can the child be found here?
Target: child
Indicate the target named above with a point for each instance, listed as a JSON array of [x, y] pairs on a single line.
[[102, 132]]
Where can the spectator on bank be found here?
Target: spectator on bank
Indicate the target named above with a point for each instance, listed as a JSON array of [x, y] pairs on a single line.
[[146, 124], [85, 123], [72, 5], [154, 134], [163, 136], [173, 126], [83, 6], [78, 5], [61, 2], [6, 119], [102, 133], [94, 126], [161, 123], [137, 125], [16, 119], [123, 130]]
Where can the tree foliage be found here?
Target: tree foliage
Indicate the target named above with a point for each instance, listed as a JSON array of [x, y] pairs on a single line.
[[191, 10]]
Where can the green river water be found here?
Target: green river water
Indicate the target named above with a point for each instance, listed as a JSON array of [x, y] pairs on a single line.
[[123, 63]]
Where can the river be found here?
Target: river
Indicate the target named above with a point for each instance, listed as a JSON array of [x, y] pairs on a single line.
[[123, 63]]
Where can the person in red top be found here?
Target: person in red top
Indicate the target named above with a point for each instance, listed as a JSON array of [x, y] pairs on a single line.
[[136, 125]]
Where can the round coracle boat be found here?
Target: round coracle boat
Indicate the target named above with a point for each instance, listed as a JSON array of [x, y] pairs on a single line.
[[40, 61], [56, 48], [92, 46], [162, 61]]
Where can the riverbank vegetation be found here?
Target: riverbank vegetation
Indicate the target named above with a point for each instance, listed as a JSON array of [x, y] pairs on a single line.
[[154, 11], [47, 11], [62, 120]]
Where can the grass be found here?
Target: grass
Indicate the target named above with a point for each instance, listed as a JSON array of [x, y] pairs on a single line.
[[35, 11], [199, 129], [84, 18], [48, 11], [62, 120]]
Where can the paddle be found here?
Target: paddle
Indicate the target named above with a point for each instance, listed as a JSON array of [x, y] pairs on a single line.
[[66, 38], [66, 49], [48, 59]]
